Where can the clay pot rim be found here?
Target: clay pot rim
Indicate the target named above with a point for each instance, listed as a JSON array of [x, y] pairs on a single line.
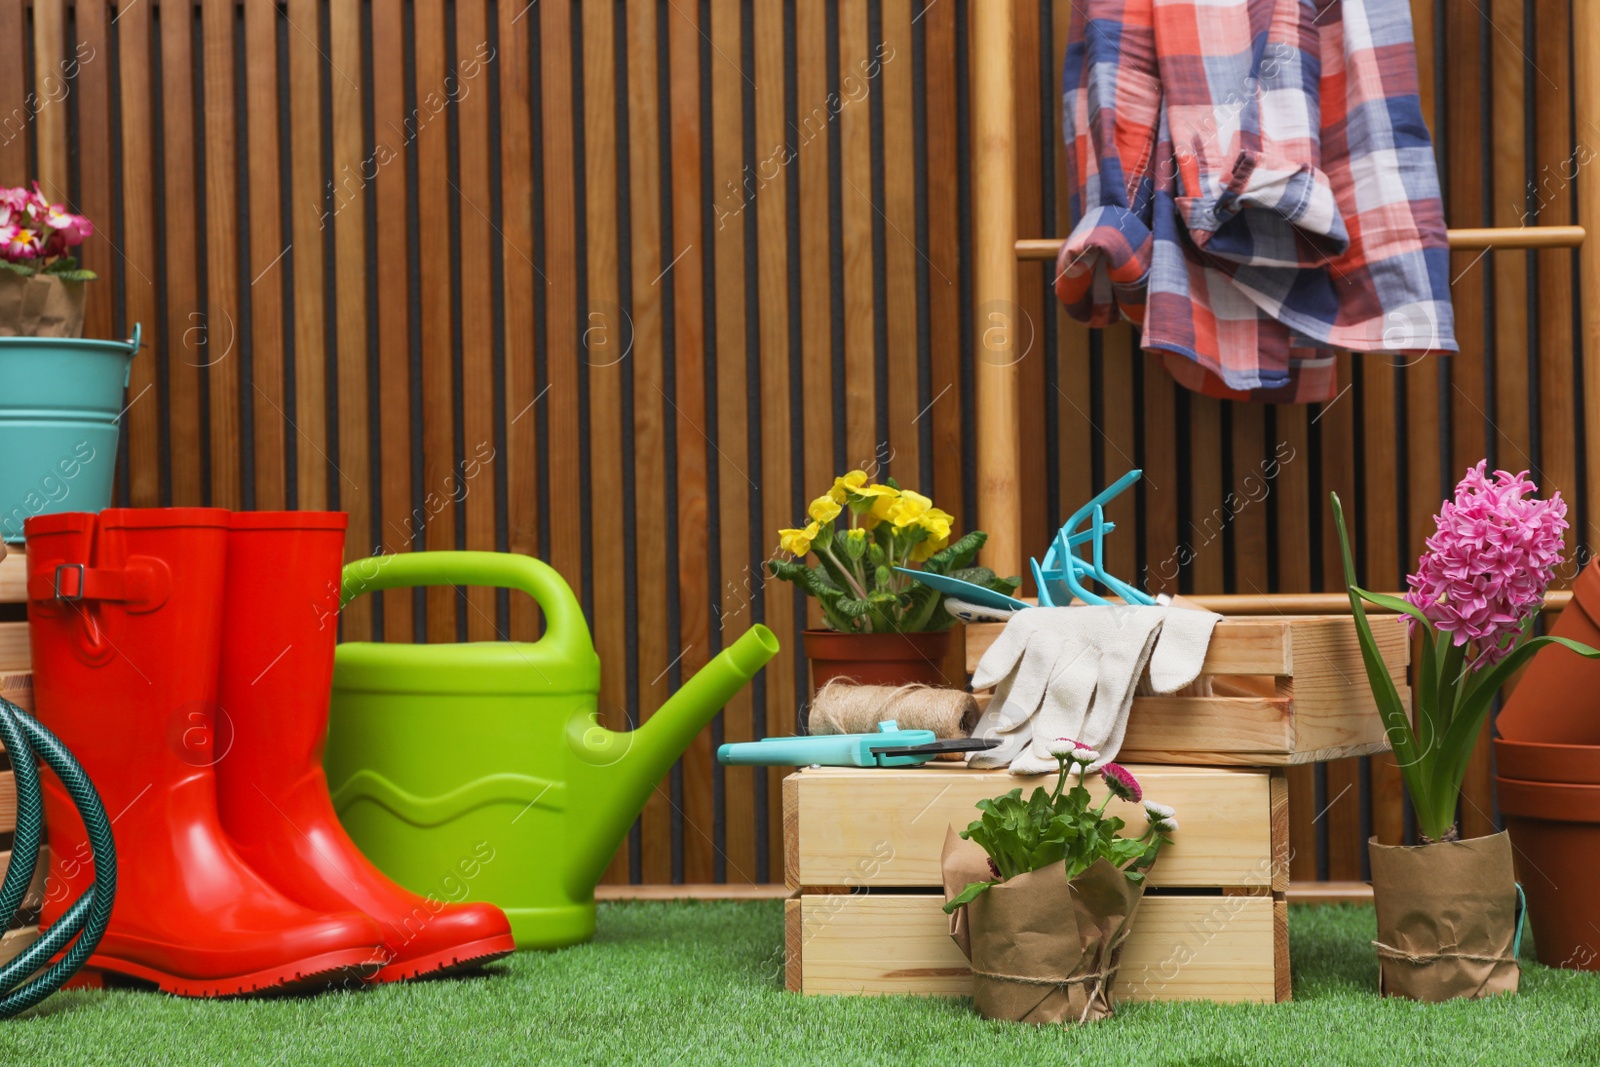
[[1562, 802], [1560, 764]]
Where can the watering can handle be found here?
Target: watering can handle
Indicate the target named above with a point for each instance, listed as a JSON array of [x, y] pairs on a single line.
[[565, 627]]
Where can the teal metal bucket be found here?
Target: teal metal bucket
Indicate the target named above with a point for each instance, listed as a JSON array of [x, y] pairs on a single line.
[[61, 401]]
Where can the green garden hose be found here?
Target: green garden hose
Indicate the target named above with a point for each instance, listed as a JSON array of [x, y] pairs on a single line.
[[24, 739]]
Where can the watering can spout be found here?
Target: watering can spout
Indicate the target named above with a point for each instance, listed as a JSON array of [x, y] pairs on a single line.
[[616, 771]]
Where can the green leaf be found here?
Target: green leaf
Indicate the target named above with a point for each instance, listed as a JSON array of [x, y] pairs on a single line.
[[18, 268], [955, 555], [1459, 741], [74, 275], [967, 895], [1395, 721]]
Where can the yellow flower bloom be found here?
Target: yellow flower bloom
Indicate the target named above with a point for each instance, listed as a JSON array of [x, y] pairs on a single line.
[[879, 499], [908, 508], [927, 547], [937, 523], [845, 483], [824, 508], [798, 542]]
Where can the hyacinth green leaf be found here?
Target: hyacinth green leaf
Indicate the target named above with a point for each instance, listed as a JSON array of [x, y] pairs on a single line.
[[1427, 671], [1456, 748], [1396, 724]]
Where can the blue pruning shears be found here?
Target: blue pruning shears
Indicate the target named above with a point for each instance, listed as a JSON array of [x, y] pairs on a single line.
[[889, 747]]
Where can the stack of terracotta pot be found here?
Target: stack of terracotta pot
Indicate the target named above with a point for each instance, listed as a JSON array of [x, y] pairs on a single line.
[[1547, 761]]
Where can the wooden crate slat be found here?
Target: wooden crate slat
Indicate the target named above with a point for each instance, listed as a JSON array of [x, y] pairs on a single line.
[[1319, 708], [1238, 646], [14, 576], [14, 649], [1223, 948], [8, 802], [18, 688], [12, 942], [886, 827]]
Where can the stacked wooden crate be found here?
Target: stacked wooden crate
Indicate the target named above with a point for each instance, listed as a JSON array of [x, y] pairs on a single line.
[[16, 685], [862, 846]]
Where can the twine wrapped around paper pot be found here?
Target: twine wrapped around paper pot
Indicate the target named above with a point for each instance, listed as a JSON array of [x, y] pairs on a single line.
[[842, 707]]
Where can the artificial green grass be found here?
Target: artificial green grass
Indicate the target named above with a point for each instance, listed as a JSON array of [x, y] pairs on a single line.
[[703, 983]]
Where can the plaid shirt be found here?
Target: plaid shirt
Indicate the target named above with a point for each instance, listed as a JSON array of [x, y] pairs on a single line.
[[1254, 186]]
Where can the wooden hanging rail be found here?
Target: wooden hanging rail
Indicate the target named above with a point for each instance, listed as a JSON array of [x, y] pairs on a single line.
[[1029, 248]]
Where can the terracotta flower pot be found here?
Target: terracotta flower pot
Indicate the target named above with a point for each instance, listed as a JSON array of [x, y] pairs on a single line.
[[1447, 918], [1556, 830], [877, 659], [1554, 699], [1531, 761]]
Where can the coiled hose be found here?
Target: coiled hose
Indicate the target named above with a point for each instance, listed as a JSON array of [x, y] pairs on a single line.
[[25, 739]]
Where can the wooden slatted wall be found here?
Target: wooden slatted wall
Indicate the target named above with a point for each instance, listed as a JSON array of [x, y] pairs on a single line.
[[624, 284]]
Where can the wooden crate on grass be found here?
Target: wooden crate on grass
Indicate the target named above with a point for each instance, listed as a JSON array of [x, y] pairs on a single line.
[[1284, 691], [862, 848]]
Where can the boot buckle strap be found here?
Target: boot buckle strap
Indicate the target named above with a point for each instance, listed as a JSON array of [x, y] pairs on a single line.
[[142, 586]]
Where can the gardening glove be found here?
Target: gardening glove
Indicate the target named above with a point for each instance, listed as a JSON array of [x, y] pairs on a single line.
[[1091, 693], [1019, 665], [1180, 652]]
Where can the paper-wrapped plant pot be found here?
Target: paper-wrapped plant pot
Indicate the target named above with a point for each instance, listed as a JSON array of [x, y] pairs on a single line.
[[40, 305], [1043, 949], [1447, 918]]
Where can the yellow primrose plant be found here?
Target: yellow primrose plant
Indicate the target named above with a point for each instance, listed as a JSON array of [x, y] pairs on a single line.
[[860, 531]]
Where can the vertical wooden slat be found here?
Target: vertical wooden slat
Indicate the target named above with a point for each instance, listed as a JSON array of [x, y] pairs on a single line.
[[608, 340], [432, 139], [1292, 503], [560, 406], [347, 214], [1586, 85], [312, 458], [521, 279], [1335, 423], [651, 409], [14, 164], [180, 270], [857, 209], [1208, 513], [219, 348], [269, 247], [138, 267], [476, 473], [736, 195], [779, 468], [391, 126], [89, 58], [50, 90], [814, 114], [689, 410], [1028, 353], [938, 21], [892, 62]]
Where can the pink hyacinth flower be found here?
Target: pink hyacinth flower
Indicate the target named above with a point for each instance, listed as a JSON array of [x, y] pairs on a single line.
[[1489, 561]]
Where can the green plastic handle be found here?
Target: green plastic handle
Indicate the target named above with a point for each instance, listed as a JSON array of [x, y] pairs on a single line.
[[565, 627]]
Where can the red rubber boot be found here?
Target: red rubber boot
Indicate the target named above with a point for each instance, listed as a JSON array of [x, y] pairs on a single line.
[[279, 629], [125, 615]]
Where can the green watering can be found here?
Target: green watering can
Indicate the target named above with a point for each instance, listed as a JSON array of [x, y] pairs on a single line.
[[487, 757]]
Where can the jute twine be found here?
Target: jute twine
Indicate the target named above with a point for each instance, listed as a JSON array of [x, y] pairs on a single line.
[[842, 707], [1390, 952]]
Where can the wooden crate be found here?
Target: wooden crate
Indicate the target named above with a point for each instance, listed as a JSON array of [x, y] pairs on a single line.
[[14, 576], [861, 853], [1284, 691]]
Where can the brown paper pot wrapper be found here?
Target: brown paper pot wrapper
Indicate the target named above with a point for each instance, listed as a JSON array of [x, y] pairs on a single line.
[[40, 306], [1043, 949], [1447, 918]]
